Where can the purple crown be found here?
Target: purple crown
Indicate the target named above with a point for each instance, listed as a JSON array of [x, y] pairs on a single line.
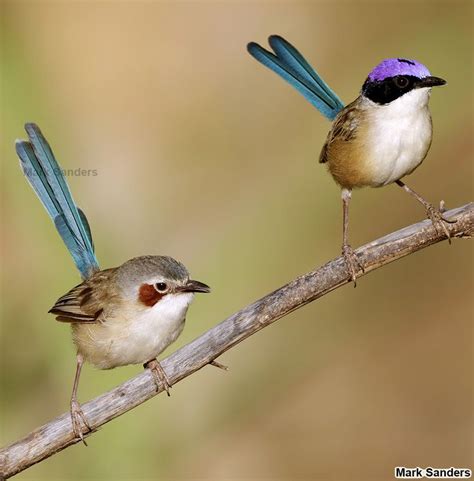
[[390, 67]]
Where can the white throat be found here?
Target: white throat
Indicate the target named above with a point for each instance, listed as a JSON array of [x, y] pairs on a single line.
[[399, 135], [414, 101]]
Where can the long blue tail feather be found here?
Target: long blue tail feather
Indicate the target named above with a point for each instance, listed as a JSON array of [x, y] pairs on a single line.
[[45, 176], [34, 173], [87, 227], [289, 64], [56, 181], [73, 244], [295, 60]]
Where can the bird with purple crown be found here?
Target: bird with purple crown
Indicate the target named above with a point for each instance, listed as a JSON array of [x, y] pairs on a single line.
[[119, 316], [376, 140]]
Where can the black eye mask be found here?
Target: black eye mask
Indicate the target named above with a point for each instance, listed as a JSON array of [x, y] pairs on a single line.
[[385, 91]]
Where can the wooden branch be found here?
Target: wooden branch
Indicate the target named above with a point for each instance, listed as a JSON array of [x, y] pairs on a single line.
[[57, 434]]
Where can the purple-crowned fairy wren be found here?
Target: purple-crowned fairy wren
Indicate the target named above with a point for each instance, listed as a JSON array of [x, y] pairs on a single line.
[[376, 140]]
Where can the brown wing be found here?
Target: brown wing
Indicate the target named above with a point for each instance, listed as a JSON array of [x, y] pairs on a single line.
[[344, 128], [85, 302]]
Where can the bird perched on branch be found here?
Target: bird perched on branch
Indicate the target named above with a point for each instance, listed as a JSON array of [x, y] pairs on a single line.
[[380, 137], [123, 315]]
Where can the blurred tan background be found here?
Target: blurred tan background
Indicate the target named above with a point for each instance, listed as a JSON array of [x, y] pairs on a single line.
[[204, 155]]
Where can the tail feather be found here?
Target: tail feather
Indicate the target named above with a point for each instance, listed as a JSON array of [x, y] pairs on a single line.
[[45, 176], [87, 227], [295, 60], [56, 181], [36, 176], [73, 243], [293, 67]]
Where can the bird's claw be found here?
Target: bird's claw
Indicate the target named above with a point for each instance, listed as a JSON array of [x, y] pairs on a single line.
[[352, 262], [439, 221], [77, 418], [159, 375]]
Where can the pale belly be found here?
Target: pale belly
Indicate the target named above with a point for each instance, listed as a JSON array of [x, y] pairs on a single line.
[[396, 147], [132, 338]]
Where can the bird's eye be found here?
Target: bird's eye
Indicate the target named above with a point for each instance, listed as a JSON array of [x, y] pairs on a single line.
[[161, 286], [401, 81]]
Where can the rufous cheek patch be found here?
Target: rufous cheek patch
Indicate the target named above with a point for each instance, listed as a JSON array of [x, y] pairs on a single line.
[[148, 295]]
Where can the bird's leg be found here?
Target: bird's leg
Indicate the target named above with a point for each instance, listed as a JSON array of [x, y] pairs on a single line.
[[77, 415], [353, 264], [441, 224], [159, 375]]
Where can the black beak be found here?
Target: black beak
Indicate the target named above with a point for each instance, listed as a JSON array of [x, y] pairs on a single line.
[[430, 82], [195, 286]]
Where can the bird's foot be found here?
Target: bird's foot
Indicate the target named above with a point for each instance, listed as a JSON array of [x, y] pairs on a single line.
[[440, 223], [78, 418], [352, 262], [159, 375]]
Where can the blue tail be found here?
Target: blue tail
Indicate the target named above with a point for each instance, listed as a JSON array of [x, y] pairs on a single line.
[[45, 176], [289, 64]]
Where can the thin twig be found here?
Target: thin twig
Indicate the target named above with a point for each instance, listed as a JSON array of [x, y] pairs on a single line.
[[57, 434]]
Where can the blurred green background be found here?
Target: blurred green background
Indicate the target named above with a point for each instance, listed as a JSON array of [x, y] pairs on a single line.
[[204, 155]]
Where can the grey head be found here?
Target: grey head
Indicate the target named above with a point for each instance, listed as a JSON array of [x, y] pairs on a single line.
[[153, 277]]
